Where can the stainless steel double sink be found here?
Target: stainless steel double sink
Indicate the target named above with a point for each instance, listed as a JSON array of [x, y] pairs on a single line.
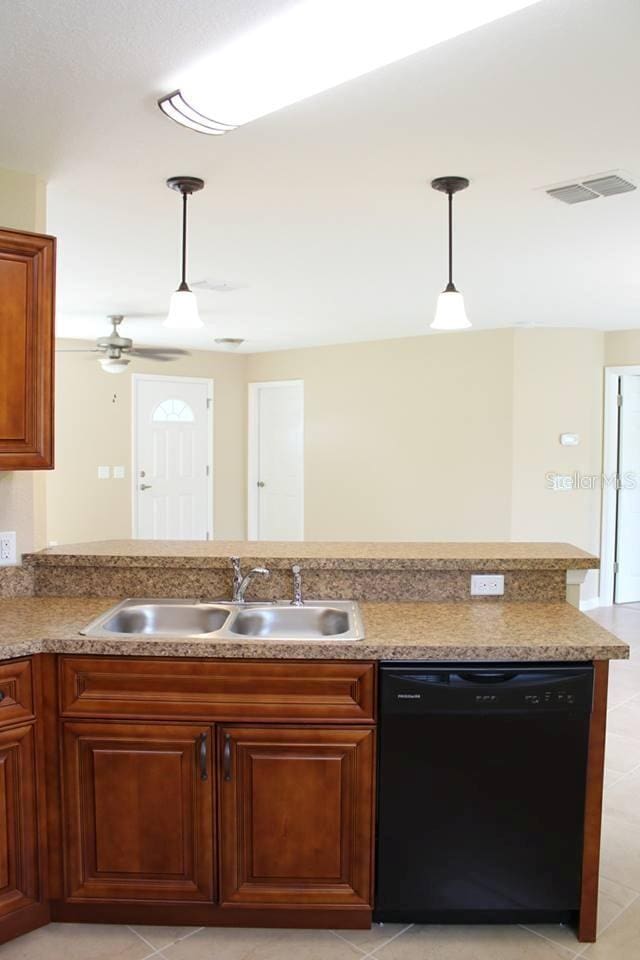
[[225, 620]]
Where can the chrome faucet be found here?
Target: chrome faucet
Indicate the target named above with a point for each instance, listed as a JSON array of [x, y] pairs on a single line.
[[297, 586], [240, 583], [237, 577]]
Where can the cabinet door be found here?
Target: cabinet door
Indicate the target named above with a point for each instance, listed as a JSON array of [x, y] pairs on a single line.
[[296, 813], [138, 811], [27, 279], [19, 885]]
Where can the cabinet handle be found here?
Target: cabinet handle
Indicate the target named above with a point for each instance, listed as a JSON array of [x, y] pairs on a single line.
[[202, 754], [226, 757]]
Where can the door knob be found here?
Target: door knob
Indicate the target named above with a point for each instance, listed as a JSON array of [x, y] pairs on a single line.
[[260, 483], [145, 486]]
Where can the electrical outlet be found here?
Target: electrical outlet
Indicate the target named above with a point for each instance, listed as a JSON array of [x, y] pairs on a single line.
[[8, 548], [487, 585]]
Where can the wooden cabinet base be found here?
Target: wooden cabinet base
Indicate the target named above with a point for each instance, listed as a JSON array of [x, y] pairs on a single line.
[[208, 915], [29, 918]]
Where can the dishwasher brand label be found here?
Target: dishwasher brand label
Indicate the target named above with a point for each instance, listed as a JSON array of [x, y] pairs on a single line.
[[409, 696]]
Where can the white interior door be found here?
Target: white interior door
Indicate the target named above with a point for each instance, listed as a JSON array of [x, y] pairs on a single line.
[[276, 454], [172, 458], [627, 578]]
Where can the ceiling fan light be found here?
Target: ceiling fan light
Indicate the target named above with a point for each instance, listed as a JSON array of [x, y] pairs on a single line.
[[450, 312], [183, 311], [110, 365]]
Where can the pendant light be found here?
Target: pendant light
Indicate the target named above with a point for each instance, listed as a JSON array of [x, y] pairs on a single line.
[[183, 310], [450, 312]]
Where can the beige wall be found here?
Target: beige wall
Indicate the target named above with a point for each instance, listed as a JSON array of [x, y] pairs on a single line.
[[22, 496], [450, 437], [557, 388], [622, 347], [93, 427], [405, 439]]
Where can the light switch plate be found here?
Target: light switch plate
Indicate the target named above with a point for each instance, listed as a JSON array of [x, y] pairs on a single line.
[[104, 473], [487, 585], [118, 473], [8, 548]]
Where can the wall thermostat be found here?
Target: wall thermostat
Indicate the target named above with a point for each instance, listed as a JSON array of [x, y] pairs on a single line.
[[569, 439]]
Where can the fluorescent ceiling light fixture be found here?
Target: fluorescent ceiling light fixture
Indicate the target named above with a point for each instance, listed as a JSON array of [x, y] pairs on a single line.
[[313, 46]]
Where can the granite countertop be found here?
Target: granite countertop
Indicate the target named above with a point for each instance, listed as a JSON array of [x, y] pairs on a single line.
[[406, 555], [401, 631]]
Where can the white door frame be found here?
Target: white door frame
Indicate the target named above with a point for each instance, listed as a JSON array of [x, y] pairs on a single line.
[[135, 377], [609, 493], [252, 454]]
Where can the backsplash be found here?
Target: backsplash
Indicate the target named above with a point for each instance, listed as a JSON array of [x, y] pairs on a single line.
[[17, 581]]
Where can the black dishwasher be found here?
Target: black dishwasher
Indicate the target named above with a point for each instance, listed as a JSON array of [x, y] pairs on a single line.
[[482, 772]]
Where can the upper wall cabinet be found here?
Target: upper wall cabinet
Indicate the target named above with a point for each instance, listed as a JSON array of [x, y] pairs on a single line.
[[27, 287]]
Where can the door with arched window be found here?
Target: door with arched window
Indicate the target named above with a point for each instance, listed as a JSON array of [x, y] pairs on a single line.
[[172, 458]]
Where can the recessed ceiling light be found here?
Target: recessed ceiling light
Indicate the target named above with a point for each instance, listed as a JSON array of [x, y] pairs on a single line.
[[229, 343], [313, 46]]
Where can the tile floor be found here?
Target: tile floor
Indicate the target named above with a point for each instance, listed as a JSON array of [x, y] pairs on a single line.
[[619, 937]]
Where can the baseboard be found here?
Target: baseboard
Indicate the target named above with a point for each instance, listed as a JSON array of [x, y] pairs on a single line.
[[213, 915], [590, 604]]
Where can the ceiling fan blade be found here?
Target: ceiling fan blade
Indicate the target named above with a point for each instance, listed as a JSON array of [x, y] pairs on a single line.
[[158, 353], [77, 350]]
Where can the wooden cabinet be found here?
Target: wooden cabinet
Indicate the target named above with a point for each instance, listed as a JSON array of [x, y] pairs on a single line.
[[27, 278], [296, 808], [214, 792], [19, 858], [247, 690], [138, 812]]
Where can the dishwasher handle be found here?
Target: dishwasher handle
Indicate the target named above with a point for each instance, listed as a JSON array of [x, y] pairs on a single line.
[[487, 676]]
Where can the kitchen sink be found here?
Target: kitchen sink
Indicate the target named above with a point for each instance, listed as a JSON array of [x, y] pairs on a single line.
[[160, 618], [312, 621], [224, 620]]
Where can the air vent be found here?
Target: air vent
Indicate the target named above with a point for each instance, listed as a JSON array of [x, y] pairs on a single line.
[[589, 188], [575, 193], [609, 186]]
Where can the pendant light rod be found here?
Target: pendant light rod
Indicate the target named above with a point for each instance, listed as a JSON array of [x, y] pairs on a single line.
[[183, 284], [450, 202], [450, 185], [185, 186]]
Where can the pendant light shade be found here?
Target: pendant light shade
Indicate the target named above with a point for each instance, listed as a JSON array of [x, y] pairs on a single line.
[[183, 309], [450, 311]]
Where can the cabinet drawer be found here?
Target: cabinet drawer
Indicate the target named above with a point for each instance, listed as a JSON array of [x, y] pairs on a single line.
[[217, 689], [16, 691]]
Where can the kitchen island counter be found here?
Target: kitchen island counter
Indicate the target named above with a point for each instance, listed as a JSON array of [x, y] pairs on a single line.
[[472, 630]]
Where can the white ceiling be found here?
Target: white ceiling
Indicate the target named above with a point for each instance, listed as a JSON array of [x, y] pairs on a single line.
[[322, 213]]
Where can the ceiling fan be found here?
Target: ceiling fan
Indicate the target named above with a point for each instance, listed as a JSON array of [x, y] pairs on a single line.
[[118, 350]]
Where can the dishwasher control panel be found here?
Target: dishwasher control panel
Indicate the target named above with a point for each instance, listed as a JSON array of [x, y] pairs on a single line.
[[416, 688]]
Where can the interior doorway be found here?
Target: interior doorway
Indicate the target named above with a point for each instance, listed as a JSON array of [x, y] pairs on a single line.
[[620, 560], [172, 458], [276, 460]]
